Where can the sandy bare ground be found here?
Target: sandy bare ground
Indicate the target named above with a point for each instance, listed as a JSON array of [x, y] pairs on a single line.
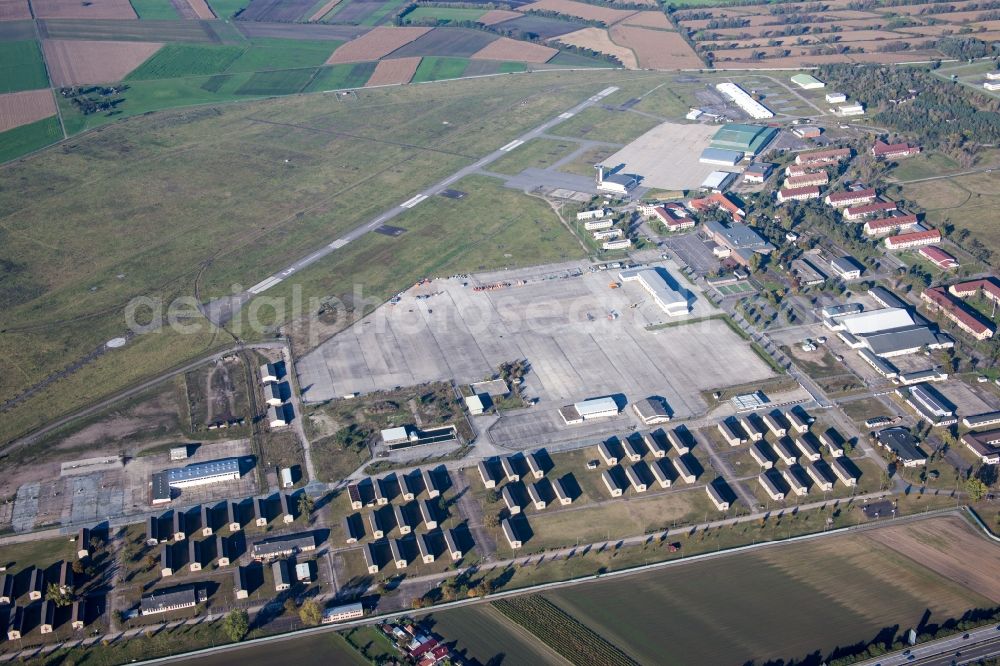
[[324, 10], [77, 62], [506, 48], [498, 16], [580, 9], [14, 10], [376, 44], [656, 49], [649, 20], [21, 108], [397, 70], [76, 9], [202, 9], [951, 548], [597, 39]]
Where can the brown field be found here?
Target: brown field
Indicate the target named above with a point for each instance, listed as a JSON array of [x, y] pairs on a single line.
[[21, 108], [506, 48], [598, 40], [755, 20], [790, 63], [656, 49], [75, 62], [378, 43], [917, 9], [397, 70], [324, 10], [580, 9], [202, 9], [497, 16], [649, 20], [14, 10], [75, 9], [819, 28], [934, 543]]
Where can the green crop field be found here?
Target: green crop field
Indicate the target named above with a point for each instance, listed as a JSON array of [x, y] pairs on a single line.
[[226, 8], [21, 67], [26, 138], [718, 611], [539, 153], [250, 196], [270, 54], [339, 77], [177, 60], [285, 82], [445, 14], [482, 633], [154, 10], [433, 68]]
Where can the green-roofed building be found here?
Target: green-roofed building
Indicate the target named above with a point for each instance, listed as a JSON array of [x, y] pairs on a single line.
[[748, 139], [807, 82]]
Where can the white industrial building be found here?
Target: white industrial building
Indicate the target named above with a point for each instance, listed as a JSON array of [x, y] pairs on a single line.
[[588, 410], [718, 181], [670, 300], [200, 474], [852, 109], [836, 98], [742, 99]]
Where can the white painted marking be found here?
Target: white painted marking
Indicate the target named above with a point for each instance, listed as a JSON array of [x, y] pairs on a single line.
[[264, 285], [607, 91], [414, 201], [566, 115], [339, 243], [511, 146]]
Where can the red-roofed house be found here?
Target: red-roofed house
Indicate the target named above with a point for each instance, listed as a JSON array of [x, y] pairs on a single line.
[[889, 225], [857, 197], [717, 201], [822, 156], [884, 150], [807, 179], [914, 239], [939, 299], [861, 212], [988, 286], [797, 193], [938, 257], [674, 217]]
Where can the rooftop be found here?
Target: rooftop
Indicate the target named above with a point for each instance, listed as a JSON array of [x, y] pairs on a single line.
[[737, 235], [901, 442], [595, 406], [744, 138], [202, 470], [872, 321]]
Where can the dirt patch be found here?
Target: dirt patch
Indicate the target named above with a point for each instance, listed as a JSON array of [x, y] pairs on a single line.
[[657, 49], [949, 547], [649, 20], [497, 16], [16, 10], [376, 44], [582, 10], [201, 9], [21, 108], [77, 62], [506, 48], [75, 9], [324, 10], [395, 71], [597, 39]]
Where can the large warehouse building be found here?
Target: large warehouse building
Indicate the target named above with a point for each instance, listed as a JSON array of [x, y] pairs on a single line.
[[586, 410], [742, 99], [654, 281], [747, 139]]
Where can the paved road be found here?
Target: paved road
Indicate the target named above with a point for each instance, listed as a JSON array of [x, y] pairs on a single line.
[[417, 198], [981, 643]]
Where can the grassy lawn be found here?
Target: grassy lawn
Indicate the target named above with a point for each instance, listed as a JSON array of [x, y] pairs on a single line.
[[27, 138], [21, 67], [222, 184], [924, 165], [155, 10], [538, 153], [434, 68], [964, 201], [602, 125], [584, 164]]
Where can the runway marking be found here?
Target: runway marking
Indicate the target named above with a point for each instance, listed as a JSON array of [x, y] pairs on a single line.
[[511, 146], [264, 285], [414, 201], [566, 115], [340, 242], [607, 91]]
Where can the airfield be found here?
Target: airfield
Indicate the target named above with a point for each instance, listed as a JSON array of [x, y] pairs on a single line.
[[581, 337]]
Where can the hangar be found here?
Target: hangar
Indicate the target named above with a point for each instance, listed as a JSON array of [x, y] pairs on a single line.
[[653, 280], [748, 139]]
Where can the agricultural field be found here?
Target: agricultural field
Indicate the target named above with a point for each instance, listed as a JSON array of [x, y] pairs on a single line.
[[441, 15], [155, 10], [393, 71], [482, 633], [511, 49], [337, 77], [14, 10], [280, 12], [597, 39], [186, 157], [92, 9], [24, 108], [21, 67], [227, 8], [176, 60], [376, 44], [28, 138], [72, 63]]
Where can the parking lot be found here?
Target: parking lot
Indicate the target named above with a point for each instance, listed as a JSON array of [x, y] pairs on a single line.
[[581, 337], [694, 251]]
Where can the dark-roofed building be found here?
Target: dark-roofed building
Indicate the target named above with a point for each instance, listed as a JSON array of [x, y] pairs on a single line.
[[283, 546], [985, 445], [169, 599], [651, 411], [902, 443]]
